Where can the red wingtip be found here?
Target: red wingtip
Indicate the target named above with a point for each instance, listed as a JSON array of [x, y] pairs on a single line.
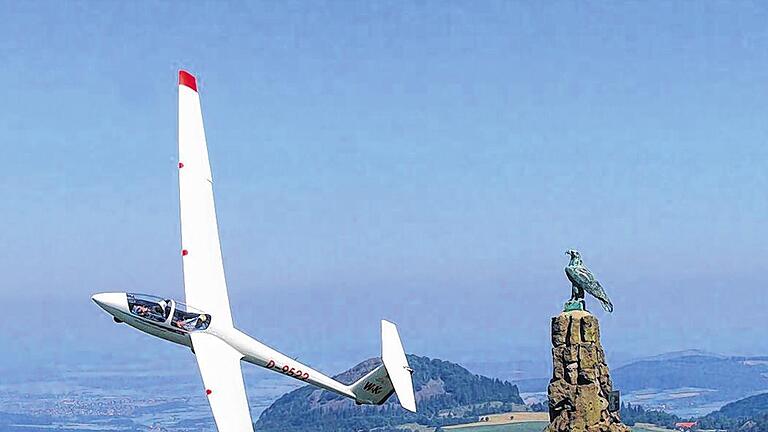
[[187, 79]]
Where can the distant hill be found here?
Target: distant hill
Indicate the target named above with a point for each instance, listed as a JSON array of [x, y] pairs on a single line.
[[682, 353], [730, 377], [748, 414], [446, 393]]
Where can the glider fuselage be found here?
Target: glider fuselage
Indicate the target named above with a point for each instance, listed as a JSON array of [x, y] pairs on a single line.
[[174, 321]]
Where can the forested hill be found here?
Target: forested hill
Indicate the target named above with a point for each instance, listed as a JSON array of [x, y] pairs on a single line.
[[446, 393], [748, 414]]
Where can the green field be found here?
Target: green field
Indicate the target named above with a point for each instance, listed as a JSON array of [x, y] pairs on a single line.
[[516, 427], [513, 427]]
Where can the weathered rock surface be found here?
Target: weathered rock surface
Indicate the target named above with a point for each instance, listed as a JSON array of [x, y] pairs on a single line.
[[580, 384]]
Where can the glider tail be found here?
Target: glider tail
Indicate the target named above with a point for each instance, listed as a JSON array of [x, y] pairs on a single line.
[[393, 376], [374, 388]]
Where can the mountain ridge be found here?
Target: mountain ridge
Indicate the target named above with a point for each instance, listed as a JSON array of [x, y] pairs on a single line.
[[446, 393]]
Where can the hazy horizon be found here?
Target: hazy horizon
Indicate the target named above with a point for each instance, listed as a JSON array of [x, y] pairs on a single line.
[[427, 164]]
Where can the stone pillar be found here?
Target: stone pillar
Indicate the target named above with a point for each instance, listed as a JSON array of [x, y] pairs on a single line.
[[580, 384]]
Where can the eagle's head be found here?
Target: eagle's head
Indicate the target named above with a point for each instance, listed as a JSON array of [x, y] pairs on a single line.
[[575, 256]]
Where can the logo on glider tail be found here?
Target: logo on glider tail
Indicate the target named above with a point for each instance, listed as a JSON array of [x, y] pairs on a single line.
[[372, 388]]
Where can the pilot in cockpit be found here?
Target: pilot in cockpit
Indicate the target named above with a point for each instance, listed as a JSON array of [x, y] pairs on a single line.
[[140, 310], [191, 322], [154, 312], [201, 322], [185, 322]]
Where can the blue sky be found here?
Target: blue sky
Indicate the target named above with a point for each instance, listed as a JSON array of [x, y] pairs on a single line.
[[425, 162]]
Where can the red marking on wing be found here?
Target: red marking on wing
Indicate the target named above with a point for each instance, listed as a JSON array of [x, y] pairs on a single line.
[[187, 79], [208, 391], [184, 252], [181, 165]]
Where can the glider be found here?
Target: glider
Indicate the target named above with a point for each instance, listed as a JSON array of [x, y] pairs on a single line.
[[218, 346]]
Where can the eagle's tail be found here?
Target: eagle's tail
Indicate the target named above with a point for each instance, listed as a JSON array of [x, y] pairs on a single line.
[[607, 305]]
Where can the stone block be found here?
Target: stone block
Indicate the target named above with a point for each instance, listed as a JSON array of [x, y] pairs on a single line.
[[588, 356], [587, 376], [570, 353], [560, 329], [590, 329], [588, 404], [574, 331], [561, 395], [558, 371]]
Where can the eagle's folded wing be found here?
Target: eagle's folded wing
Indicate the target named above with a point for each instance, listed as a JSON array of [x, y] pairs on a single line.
[[584, 279], [599, 293], [580, 276]]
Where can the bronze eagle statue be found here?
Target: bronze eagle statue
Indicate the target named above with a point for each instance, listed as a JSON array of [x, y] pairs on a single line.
[[583, 280]]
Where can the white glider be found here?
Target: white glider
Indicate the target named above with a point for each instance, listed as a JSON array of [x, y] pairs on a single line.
[[218, 345]]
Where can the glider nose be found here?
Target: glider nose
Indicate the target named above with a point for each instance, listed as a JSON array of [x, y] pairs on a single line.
[[111, 302]]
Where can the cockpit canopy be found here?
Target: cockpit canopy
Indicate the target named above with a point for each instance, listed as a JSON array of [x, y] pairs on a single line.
[[168, 312]]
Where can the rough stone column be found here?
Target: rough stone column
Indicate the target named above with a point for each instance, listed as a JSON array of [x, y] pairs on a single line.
[[580, 384]]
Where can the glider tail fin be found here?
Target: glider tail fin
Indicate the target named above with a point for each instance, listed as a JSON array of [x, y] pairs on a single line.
[[393, 376]]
